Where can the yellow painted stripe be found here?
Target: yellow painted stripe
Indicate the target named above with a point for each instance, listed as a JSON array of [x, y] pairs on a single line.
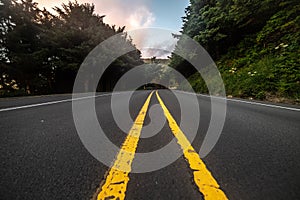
[[117, 179], [206, 183]]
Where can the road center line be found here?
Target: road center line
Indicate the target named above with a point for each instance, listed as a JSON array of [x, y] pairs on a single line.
[[203, 178], [117, 179]]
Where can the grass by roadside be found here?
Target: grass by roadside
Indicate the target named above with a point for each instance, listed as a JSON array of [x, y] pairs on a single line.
[[252, 89]]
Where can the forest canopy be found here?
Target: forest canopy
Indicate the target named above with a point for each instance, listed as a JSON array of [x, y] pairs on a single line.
[[255, 45], [41, 52]]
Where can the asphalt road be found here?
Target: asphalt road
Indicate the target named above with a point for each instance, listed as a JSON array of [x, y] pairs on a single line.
[[42, 156]]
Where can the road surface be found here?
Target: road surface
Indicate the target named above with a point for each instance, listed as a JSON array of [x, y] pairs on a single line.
[[42, 156]]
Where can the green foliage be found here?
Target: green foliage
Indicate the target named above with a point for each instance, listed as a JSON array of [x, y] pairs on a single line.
[[41, 52], [255, 43], [197, 83]]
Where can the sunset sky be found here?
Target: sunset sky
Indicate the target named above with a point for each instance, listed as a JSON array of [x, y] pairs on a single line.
[[135, 13]]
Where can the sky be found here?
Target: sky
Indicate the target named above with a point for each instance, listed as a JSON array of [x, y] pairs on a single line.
[[135, 14]]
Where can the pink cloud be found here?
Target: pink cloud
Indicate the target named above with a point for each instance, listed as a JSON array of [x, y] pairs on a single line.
[[118, 12]]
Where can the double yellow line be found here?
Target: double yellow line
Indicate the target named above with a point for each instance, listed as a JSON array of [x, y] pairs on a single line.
[[116, 181]]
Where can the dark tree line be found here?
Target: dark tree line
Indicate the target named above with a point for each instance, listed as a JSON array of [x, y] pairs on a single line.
[[41, 52], [255, 44]]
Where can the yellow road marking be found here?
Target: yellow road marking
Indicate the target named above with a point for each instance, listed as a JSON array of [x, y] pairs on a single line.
[[206, 183], [117, 179]]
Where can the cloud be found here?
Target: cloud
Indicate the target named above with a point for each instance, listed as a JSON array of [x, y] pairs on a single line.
[[159, 49], [55, 3], [154, 42], [118, 12], [126, 13], [140, 18], [121, 13]]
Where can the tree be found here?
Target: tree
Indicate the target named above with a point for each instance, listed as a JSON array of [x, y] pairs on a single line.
[[255, 44], [22, 44], [41, 52]]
